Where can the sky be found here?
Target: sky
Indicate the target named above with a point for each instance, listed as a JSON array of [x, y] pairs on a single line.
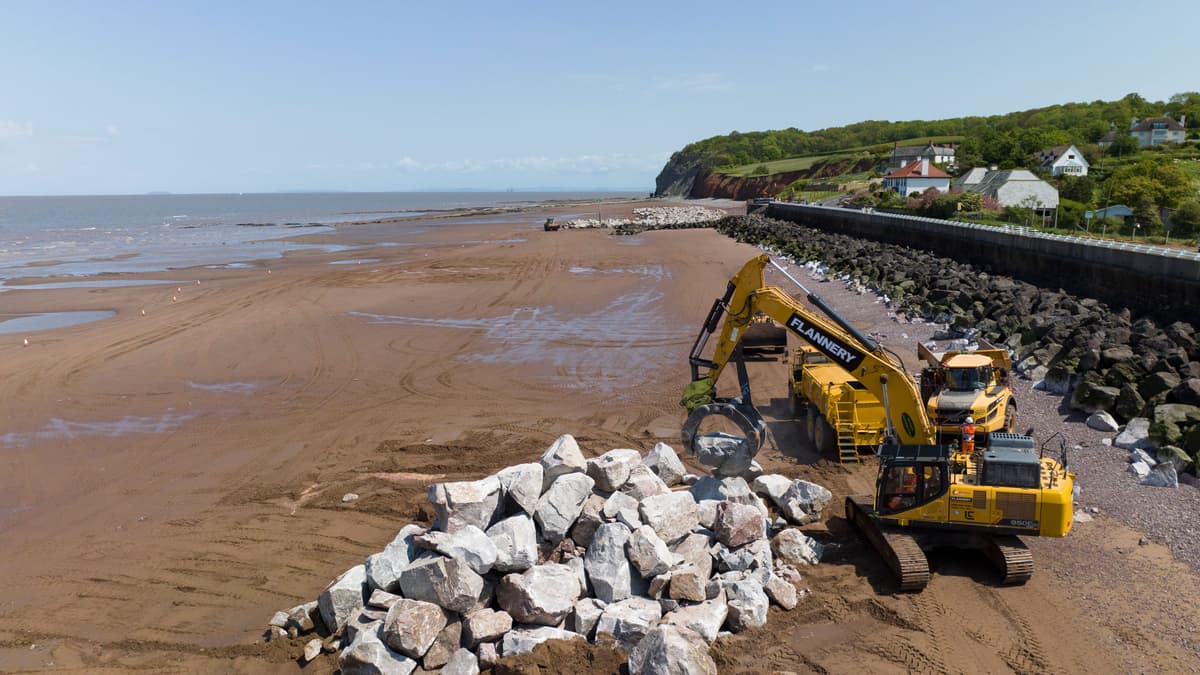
[[131, 97]]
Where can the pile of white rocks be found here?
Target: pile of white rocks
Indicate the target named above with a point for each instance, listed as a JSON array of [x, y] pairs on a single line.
[[1160, 469], [620, 549], [653, 217]]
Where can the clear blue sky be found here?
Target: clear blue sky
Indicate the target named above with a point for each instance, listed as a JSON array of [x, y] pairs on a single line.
[[214, 96]]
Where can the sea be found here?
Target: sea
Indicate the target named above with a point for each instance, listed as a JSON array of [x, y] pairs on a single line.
[[83, 236]]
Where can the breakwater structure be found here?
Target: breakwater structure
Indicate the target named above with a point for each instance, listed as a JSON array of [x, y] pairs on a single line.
[[1158, 280]]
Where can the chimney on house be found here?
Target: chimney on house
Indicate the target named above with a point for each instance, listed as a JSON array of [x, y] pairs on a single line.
[[924, 166]]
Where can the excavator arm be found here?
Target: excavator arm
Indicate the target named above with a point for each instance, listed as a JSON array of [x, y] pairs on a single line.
[[880, 372]]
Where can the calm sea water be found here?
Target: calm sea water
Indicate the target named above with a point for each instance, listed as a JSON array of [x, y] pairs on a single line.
[[90, 235]]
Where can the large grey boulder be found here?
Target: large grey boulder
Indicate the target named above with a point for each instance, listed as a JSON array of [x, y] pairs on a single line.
[[672, 515], [747, 605], [705, 618], [488, 654], [522, 640], [383, 569], [796, 548], [629, 620], [590, 517], [751, 556], [465, 503], [803, 502], [469, 544], [644, 483], [411, 627], [521, 484], [725, 454], [1135, 435], [607, 567], [342, 598], [739, 524], [543, 594], [446, 643], [561, 504], [771, 486], [485, 625], [665, 463], [648, 553], [1162, 476], [1139, 469], [561, 458], [462, 662], [1142, 456], [611, 470], [368, 655], [1102, 421], [448, 583], [515, 542], [669, 650], [585, 616]]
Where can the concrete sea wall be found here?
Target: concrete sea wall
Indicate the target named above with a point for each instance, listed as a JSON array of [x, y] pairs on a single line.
[[1151, 279]]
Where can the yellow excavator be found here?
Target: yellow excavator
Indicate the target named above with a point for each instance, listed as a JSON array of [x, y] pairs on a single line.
[[927, 494]]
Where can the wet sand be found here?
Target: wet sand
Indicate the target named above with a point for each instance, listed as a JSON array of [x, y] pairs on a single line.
[[169, 480]]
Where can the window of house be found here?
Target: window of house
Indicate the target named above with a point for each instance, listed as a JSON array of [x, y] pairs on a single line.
[[1070, 156]]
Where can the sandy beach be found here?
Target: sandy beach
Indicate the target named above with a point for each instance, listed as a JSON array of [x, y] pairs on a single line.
[[170, 479]]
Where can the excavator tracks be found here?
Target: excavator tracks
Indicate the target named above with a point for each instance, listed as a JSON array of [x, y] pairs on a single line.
[[901, 551], [1014, 560]]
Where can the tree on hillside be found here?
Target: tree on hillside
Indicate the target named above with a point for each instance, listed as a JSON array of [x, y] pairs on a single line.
[[1185, 221], [1076, 188]]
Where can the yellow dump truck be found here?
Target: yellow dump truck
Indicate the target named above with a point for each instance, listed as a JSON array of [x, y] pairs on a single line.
[[837, 412], [975, 384]]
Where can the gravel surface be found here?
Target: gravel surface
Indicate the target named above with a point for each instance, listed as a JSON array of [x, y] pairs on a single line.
[[1170, 516]]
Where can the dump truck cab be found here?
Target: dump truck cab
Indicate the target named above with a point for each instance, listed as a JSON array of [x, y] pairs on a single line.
[[961, 385]]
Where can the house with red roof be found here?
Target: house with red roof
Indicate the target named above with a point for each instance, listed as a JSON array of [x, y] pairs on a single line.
[[917, 177]]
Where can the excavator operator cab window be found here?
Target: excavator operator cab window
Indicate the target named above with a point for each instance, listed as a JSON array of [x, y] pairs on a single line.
[[903, 487]]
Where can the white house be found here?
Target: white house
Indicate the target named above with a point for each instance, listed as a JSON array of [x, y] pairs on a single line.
[[903, 156], [1018, 187], [1063, 160], [1158, 130], [917, 177]]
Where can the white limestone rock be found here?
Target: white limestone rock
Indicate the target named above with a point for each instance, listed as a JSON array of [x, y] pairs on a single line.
[[752, 556], [797, 549], [522, 640], [448, 583], [383, 569], [543, 594], [488, 654], [665, 463], [672, 515], [648, 553], [611, 470], [705, 618], [1139, 469], [585, 616], [485, 625], [561, 458], [1102, 421], [629, 620], [616, 503], [342, 598], [521, 485], [669, 650], [411, 627], [732, 488], [725, 454], [688, 583], [561, 504], [803, 502], [312, 649], [781, 592], [462, 662], [696, 549], [515, 541], [590, 517], [465, 503], [644, 483], [608, 569], [469, 544], [747, 605], [368, 655]]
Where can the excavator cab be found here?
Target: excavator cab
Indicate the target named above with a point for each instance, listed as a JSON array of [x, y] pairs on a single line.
[[911, 477]]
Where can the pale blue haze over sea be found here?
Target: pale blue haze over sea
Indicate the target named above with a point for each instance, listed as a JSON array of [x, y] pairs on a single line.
[[91, 235]]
